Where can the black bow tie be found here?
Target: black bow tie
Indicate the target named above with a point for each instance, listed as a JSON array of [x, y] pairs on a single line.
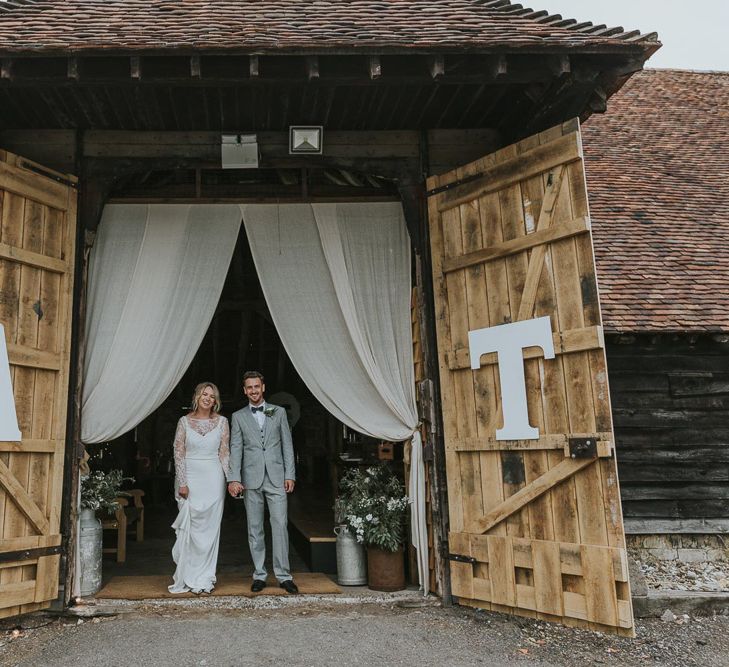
[[255, 409]]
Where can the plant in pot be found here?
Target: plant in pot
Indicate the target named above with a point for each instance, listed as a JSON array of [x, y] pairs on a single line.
[[375, 515], [99, 493]]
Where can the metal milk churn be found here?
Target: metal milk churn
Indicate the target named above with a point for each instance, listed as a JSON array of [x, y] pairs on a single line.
[[351, 566], [90, 552]]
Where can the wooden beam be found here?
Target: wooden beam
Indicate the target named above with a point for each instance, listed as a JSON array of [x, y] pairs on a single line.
[[437, 66], [374, 67], [135, 67], [195, 67], [598, 101], [531, 163], [72, 69], [23, 501], [6, 68], [561, 64], [34, 259], [548, 441], [539, 486], [29, 357], [565, 342], [539, 238], [34, 446], [536, 259], [312, 67], [498, 66], [253, 70]]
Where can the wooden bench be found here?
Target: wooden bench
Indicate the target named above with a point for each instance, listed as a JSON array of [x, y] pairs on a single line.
[[312, 535], [125, 516]]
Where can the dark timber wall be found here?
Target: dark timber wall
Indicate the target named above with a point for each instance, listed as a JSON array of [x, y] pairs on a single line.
[[670, 398]]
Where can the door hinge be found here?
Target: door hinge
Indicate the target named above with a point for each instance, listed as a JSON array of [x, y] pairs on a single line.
[[462, 559], [454, 184], [28, 554], [37, 169]]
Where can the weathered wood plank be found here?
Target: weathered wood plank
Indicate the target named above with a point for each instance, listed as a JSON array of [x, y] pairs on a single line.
[[22, 355], [37, 260], [29, 542], [32, 445], [530, 163], [514, 503], [501, 570], [517, 245], [32, 186], [557, 441], [23, 501], [565, 342], [536, 259]]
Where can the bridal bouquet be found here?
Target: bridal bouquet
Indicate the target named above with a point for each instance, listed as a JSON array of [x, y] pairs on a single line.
[[373, 506]]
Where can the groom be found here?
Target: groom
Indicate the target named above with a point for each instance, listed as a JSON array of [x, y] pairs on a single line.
[[260, 448]]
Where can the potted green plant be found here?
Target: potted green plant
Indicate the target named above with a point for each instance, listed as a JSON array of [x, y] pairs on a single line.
[[99, 493], [374, 513]]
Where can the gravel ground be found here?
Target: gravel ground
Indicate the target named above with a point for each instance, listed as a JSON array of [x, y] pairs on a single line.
[[677, 576], [322, 633]]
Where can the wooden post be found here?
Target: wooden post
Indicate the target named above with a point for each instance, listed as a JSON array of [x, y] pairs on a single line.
[[74, 448], [413, 198]]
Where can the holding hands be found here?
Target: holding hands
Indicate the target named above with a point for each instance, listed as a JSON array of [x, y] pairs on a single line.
[[235, 489]]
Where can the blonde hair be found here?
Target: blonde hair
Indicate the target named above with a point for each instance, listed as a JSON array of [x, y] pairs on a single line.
[[198, 392]]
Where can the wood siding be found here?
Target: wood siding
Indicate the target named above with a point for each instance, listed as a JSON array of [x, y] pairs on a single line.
[[670, 397]]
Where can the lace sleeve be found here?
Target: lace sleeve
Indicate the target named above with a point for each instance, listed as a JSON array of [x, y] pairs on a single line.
[[179, 448], [224, 449]]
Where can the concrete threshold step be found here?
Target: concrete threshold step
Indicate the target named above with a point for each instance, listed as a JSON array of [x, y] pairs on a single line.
[[693, 603]]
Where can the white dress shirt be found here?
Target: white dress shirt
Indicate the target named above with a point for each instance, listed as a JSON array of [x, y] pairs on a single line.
[[258, 414]]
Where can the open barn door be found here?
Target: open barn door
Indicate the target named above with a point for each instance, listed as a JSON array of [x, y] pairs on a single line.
[[535, 519], [37, 238]]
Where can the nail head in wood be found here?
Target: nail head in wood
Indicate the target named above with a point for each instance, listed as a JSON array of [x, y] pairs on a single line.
[[375, 67], [312, 67], [135, 67], [6, 68], [72, 69], [437, 66], [195, 67]]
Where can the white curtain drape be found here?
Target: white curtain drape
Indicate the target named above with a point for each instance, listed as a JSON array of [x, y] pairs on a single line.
[[155, 276], [336, 278]]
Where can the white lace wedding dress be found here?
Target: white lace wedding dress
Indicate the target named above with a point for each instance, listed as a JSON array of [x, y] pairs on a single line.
[[202, 450]]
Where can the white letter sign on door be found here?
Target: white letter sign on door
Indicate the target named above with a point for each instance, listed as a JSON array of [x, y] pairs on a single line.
[[9, 430], [508, 341]]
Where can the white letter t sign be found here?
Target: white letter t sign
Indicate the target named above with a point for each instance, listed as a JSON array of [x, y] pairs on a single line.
[[508, 341]]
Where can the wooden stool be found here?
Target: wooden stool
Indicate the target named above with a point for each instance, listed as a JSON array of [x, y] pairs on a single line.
[[123, 517]]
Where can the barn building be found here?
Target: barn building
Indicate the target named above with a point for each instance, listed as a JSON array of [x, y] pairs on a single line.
[[467, 114]]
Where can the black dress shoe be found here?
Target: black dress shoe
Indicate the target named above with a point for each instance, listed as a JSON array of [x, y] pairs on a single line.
[[289, 586], [258, 585]]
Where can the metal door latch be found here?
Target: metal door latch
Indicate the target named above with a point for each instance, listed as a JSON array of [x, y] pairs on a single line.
[[583, 448]]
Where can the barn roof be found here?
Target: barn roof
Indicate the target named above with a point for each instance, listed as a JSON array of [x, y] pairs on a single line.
[[59, 26], [658, 179]]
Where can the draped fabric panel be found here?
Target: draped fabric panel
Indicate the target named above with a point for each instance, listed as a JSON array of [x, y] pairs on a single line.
[[336, 278], [155, 277]]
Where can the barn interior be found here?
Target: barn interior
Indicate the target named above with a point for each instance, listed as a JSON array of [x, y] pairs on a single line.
[[240, 337]]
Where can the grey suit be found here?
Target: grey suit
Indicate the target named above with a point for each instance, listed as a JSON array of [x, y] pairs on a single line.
[[262, 460]]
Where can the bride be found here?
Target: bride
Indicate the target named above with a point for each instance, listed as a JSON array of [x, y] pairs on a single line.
[[201, 460]]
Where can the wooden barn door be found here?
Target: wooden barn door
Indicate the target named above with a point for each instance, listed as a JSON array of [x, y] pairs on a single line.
[[37, 238], [535, 522]]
